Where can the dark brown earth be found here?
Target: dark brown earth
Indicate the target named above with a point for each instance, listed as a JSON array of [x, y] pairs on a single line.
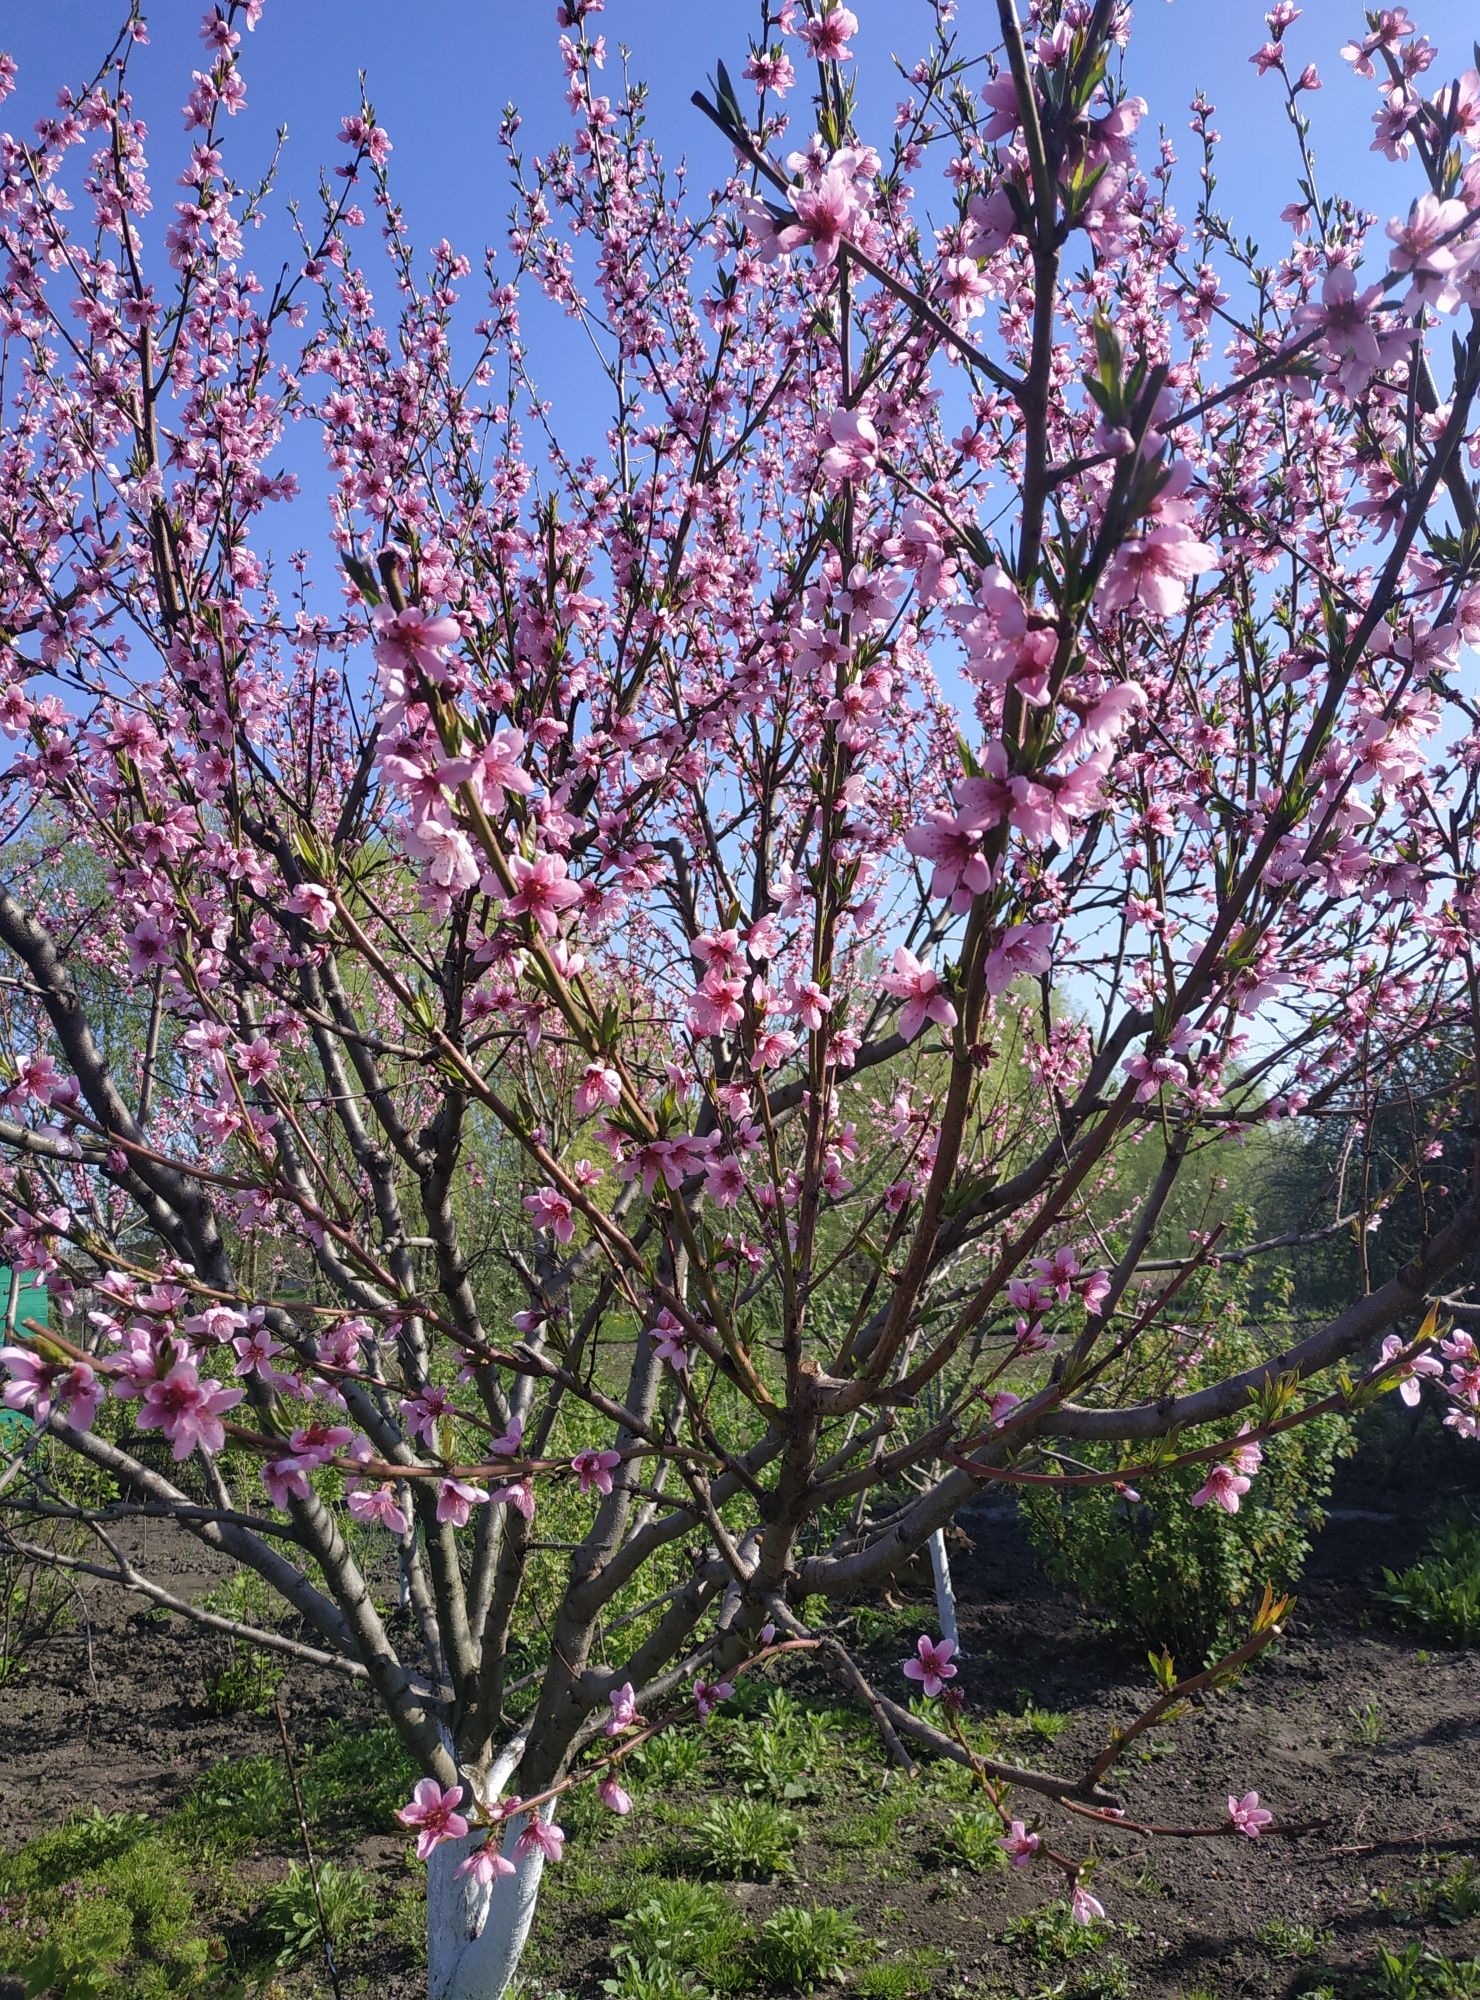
[[112, 1710], [112, 1713]]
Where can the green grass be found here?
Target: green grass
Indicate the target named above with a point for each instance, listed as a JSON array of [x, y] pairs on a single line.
[[873, 1829], [103, 1907], [903, 1978], [1419, 1973], [290, 1915], [116, 1904], [1293, 1943], [1049, 1936]]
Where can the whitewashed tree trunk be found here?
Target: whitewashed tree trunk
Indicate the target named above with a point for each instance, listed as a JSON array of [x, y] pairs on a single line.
[[476, 1936], [945, 1596]]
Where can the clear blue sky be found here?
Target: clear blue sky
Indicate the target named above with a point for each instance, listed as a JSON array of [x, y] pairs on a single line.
[[440, 70]]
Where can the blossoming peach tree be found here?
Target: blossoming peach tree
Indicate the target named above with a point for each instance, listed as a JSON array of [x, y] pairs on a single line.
[[663, 981]]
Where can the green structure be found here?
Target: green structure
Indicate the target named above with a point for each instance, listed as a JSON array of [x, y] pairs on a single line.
[[32, 1304]]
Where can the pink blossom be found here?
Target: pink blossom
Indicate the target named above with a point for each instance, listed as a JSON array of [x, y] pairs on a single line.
[[613, 1797], [519, 1495], [447, 853], [810, 1003], [922, 992], [828, 34], [1020, 1845], [595, 1468], [1248, 1816], [319, 1444], [456, 1501], [624, 1714], [412, 641], [485, 1864], [312, 901], [770, 69], [1248, 1456], [1425, 247], [187, 1410], [71, 1389], [1096, 1291], [962, 288], [496, 768], [542, 890], [600, 1086], [932, 1665], [427, 1409], [433, 1810], [709, 1694], [378, 1503], [1410, 1386], [541, 1837], [286, 1479], [1155, 1071], [1349, 331], [724, 1180], [672, 1341], [1085, 1908], [951, 841], [854, 451], [1023, 951], [823, 209], [549, 1209], [1151, 572], [991, 221], [1223, 1488]]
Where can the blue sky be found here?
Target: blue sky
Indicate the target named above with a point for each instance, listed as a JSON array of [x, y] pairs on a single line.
[[440, 71]]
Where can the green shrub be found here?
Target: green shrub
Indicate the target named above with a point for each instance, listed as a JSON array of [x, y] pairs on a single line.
[[81, 1843], [1440, 1595], [785, 1759], [1294, 1942], [690, 1925], [239, 1803], [748, 1840], [974, 1838], [360, 1775], [799, 1950], [289, 1916], [1049, 1935], [1164, 1573], [902, 1978], [670, 1759], [1449, 1899]]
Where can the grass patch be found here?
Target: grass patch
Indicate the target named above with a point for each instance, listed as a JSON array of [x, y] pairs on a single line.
[[114, 1904]]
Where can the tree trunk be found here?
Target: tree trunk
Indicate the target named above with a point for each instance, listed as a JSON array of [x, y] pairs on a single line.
[[476, 1936], [945, 1596]]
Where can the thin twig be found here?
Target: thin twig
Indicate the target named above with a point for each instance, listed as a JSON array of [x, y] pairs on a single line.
[[313, 1871]]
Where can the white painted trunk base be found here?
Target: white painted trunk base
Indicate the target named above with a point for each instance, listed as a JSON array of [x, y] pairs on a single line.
[[945, 1596], [476, 1936]]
